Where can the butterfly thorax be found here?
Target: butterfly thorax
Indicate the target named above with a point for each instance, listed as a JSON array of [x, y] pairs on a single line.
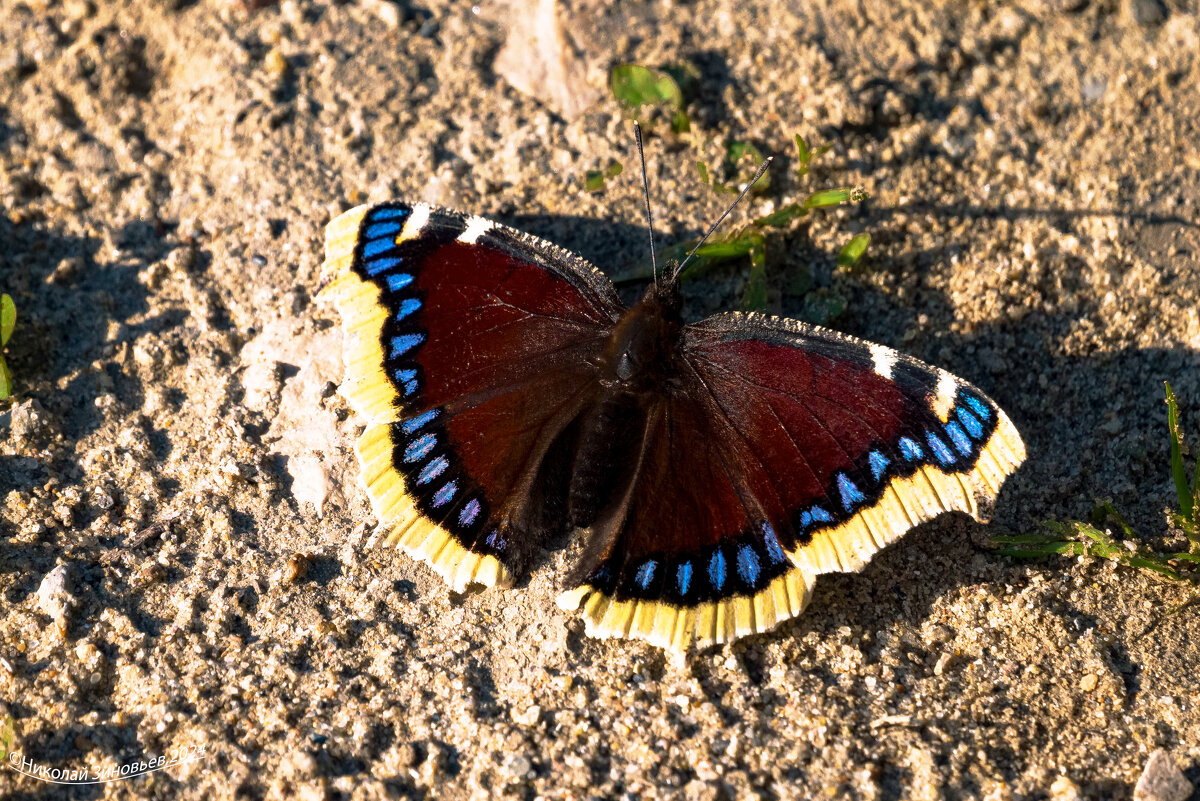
[[642, 350]]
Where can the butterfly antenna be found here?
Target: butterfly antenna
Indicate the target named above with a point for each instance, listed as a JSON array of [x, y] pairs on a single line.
[[761, 169], [637, 135]]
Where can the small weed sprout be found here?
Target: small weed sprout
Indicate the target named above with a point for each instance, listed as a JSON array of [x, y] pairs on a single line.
[[1097, 538], [647, 94], [8, 320]]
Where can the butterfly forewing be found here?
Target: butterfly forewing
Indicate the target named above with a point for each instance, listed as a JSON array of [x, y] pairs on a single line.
[[472, 348]]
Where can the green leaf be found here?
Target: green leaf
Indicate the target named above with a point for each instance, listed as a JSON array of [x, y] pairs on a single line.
[[8, 318], [1187, 502], [6, 385], [853, 250], [755, 296], [802, 149], [736, 151], [680, 123], [781, 218], [702, 168], [7, 736], [595, 180], [828, 197], [635, 86], [820, 308]]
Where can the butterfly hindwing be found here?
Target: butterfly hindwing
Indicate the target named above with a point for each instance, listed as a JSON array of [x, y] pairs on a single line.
[[469, 349], [819, 450]]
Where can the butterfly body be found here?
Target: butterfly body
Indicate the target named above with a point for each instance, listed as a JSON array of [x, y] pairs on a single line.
[[715, 468]]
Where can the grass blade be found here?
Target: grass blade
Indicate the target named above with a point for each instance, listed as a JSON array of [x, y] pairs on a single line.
[[1187, 503], [8, 319], [853, 251], [5, 380]]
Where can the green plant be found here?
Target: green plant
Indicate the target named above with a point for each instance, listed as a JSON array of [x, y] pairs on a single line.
[[1097, 539], [635, 86], [596, 179], [8, 319], [7, 733]]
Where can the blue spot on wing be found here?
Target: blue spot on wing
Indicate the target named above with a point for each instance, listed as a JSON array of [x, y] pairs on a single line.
[[910, 450], [407, 307], [388, 214], [851, 496], [683, 577], [716, 570], [943, 454], [747, 565], [970, 422], [433, 470], [374, 247], [413, 423], [406, 376], [469, 512], [376, 266], [819, 515], [419, 448], [397, 281], [645, 574], [404, 343], [443, 496], [381, 229], [959, 438], [878, 463], [774, 549], [978, 406]]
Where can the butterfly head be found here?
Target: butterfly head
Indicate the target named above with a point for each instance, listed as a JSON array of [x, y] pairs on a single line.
[[644, 344]]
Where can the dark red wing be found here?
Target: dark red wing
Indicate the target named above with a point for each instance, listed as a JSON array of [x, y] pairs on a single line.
[[786, 451], [474, 347]]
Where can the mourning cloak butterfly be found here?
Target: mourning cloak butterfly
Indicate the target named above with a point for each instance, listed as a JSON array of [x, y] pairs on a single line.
[[719, 466]]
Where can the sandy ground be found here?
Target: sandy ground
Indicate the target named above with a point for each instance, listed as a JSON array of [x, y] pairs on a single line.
[[166, 169]]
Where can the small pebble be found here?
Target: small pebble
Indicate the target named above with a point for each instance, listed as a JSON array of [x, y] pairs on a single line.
[[1089, 682], [1161, 780], [296, 567], [54, 598]]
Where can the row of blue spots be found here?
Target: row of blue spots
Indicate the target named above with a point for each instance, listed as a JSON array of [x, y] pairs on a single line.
[[959, 438], [878, 463], [378, 230], [408, 378], [716, 570], [851, 495], [910, 450], [469, 512], [747, 565], [978, 407], [645, 574], [774, 549], [419, 448], [495, 540], [376, 266], [443, 495], [970, 422], [814, 515], [374, 247], [683, 577], [397, 281], [412, 424], [432, 470], [404, 343], [407, 307], [940, 451]]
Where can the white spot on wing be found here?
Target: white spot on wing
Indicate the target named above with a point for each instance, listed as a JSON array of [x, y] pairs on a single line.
[[476, 227], [885, 360], [415, 222], [943, 402]]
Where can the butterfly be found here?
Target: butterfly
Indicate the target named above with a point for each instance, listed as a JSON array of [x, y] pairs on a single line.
[[715, 468]]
